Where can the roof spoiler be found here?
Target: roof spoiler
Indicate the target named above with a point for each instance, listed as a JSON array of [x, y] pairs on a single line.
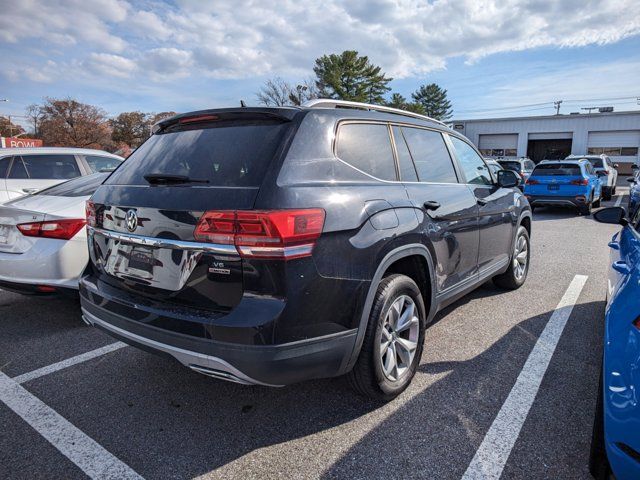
[[236, 113]]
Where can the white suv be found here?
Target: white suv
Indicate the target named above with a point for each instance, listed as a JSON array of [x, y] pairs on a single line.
[[605, 169], [27, 170]]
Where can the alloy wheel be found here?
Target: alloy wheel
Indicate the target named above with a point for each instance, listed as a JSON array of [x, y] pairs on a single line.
[[399, 338], [520, 257]]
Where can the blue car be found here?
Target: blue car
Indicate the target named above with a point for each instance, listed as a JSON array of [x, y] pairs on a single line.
[[616, 434], [568, 183], [634, 190]]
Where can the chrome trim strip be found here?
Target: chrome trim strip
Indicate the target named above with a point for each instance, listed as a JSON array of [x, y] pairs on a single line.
[[165, 242], [193, 360], [276, 252]]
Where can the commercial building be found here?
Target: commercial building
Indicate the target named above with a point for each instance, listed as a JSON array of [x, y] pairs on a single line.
[[616, 134]]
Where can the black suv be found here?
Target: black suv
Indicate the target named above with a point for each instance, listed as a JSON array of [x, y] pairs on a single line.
[[273, 245]]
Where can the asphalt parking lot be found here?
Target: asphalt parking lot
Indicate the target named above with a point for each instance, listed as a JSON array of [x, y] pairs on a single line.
[[484, 403]]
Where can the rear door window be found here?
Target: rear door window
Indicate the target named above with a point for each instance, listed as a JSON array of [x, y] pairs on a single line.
[[367, 147], [227, 153], [45, 167], [98, 163], [430, 155]]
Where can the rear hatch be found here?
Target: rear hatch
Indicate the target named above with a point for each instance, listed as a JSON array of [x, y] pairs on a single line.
[[145, 216], [557, 179]]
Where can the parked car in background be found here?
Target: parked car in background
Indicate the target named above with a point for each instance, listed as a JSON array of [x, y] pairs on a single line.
[[43, 240], [634, 190], [522, 166], [605, 169], [571, 183], [27, 170], [274, 245], [494, 166], [615, 444]]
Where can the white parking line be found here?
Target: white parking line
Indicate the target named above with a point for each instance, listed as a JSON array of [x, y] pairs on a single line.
[[82, 450], [619, 200], [25, 377], [492, 455]]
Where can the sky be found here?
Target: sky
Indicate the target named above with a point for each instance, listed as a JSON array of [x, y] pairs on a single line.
[[495, 58]]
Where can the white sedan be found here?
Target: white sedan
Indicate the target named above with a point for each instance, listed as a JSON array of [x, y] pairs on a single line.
[[43, 239]]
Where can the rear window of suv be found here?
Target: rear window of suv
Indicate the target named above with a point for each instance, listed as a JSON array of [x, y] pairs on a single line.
[[550, 169], [231, 153]]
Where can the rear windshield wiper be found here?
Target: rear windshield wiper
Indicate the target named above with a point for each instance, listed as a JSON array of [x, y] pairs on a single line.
[[169, 179]]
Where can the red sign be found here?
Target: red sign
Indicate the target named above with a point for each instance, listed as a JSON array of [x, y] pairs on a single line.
[[17, 142]]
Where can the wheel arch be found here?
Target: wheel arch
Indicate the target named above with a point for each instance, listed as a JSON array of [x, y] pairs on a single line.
[[393, 258]]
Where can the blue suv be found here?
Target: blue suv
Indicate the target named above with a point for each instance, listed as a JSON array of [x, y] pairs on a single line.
[[615, 445], [571, 183]]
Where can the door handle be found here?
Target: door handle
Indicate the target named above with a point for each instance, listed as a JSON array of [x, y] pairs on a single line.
[[481, 201], [29, 190], [431, 205], [621, 267], [614, 245]]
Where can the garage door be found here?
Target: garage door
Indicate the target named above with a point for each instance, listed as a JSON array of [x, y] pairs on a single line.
[[623, 143], [499, 145]]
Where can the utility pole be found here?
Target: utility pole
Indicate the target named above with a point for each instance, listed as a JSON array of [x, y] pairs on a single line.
[[10, 127], [556, 104]]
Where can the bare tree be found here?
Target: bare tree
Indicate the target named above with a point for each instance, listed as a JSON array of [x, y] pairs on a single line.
[[34, 116], [277, 92]]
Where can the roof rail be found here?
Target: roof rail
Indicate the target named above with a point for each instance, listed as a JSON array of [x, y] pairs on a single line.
[[330, 103]]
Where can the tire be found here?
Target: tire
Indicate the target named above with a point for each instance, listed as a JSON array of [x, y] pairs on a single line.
[[515, 276], [613, 191], [586, 209], [369, 376], [598, 463], [606, 193], [596, 204]]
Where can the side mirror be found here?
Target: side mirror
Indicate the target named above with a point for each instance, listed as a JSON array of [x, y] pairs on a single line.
[[612, 215], [631, 179], [615, 165], [508, 179], [634, 167]]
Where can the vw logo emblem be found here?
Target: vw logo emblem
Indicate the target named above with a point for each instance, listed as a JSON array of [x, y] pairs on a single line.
[[131, 220]]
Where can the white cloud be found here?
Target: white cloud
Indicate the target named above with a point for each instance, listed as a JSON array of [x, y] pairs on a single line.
[[247, 39], [166, 63], [109, 65], [64, 22]]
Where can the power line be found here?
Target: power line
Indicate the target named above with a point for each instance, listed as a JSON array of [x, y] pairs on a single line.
[[549, 103]]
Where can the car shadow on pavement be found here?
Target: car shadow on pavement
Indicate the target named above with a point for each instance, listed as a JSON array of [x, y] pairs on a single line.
[[168, 422], [38, 330], [436, 432], [555, 213]]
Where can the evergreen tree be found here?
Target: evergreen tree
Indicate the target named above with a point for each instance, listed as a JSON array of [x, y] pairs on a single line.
[[434, 101], [398, 101], [347, 76]]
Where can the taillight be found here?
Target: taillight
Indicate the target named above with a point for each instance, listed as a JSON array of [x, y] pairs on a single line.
[[581, 181], [605, 172], [636, 323], [90, 211], [532, 181], [60, 229], [283, 234]]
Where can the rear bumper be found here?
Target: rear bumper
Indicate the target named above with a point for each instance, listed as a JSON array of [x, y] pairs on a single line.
[[548, 200], [52, 262], [273, 365]]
